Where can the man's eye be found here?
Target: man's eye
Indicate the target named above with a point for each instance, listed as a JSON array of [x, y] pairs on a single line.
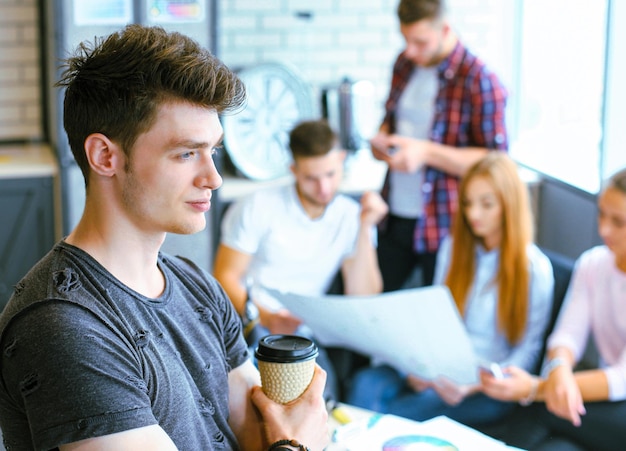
[[188, 155], [619, 223]]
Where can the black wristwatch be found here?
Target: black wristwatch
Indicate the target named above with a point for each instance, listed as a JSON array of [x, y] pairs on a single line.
[[287, 445]]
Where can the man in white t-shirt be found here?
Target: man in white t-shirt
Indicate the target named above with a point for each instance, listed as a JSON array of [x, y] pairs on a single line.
[[296, 238]]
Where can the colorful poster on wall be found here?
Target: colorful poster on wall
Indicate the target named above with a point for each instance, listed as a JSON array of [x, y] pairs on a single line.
[[97, 12], [175, 11]]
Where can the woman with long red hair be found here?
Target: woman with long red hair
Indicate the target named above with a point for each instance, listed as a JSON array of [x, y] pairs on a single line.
[[502, 285]]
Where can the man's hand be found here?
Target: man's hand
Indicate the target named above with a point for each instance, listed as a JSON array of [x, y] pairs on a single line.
[[304, 419], [279, 322], [380, 146], [401, 153], [373, 208], [409, 155]]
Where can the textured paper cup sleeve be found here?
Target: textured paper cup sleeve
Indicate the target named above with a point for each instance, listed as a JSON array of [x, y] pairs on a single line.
[[284, 382]]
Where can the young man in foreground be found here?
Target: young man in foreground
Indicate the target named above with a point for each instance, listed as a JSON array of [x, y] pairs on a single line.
[[108, 343]]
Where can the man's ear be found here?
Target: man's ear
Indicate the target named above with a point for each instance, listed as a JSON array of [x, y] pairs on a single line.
[[445, 28], [104, 156]]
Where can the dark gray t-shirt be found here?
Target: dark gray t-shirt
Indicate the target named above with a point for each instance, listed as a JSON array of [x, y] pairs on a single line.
[[82, 355]]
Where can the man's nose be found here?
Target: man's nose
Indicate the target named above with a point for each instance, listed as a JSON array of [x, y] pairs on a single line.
[[411, 51], [209, 177], [324, 186]]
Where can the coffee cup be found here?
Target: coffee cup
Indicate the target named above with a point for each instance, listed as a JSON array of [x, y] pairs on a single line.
[[286, 364]]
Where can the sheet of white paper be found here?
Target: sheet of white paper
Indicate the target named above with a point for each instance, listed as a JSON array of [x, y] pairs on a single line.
[[416, 331], [390, 427], [463, 437]]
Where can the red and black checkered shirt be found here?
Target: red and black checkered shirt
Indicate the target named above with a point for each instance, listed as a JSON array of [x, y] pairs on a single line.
[[469, 111]]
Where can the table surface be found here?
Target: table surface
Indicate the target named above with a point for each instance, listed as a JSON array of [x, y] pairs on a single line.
[[344, 414], [27, 160]]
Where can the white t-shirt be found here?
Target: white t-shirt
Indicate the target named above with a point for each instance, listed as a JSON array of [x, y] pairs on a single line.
[[414, 118], [291, 252], [595, 303]]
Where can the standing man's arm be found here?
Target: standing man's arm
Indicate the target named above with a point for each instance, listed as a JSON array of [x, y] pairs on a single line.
[[361, 273], [412, 154], [487, 130]]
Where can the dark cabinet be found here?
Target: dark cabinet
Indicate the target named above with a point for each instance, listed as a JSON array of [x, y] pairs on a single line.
[[26, 228]]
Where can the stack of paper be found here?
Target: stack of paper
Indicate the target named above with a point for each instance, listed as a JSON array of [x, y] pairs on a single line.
[[388, 428]]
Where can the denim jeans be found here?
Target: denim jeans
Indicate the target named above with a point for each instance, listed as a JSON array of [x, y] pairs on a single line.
[[384, 390]]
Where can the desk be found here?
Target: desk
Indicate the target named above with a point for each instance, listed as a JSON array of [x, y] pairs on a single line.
[[388, 426], [27, 161]]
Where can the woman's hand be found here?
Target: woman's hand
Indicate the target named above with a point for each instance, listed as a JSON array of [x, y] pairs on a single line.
[[451, 393], [516, 384], [562, 395], [417, 383]]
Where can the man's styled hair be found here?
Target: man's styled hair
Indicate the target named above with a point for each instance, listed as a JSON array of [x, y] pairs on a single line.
[[115, 85], [412, 11], [617, 181], [312, 139]]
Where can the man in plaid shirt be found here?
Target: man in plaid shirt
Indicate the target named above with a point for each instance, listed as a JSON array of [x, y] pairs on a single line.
[[445, 110]]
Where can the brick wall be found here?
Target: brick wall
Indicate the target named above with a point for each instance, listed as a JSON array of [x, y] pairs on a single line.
[[324, 39], [20, 72], [354, 38]]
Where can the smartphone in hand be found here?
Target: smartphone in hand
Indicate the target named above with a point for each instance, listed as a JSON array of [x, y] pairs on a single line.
[[390, 150], [493, 369]]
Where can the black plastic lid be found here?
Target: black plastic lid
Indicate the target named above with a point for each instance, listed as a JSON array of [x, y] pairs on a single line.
[[285, 349]]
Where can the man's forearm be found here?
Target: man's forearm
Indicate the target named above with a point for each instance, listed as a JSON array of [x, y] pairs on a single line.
[[453, 160], [362, 274]]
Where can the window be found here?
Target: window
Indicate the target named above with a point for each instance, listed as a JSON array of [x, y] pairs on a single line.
[[560, 90], [563, 64]]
